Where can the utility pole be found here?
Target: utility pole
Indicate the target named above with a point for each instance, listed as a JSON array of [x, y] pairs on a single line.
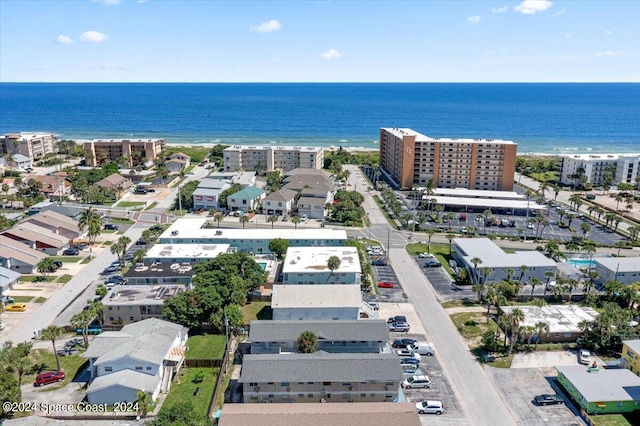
[[388, 243], [179, 200]]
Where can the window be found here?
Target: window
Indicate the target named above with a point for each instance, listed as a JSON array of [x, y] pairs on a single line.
[[138, 368], [253, 384], [108, 369], [326, 383], [285, 384]]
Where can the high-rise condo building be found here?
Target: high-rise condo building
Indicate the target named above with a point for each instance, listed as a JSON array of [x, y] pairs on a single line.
[[269, 158], [411, 158], [32, 145]]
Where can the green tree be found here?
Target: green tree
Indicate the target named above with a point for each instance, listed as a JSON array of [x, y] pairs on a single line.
[[333, 263], [81, 320], [272, 219], [515, 318], [144, 403], [21, 366], [9, 392], [46, 266], [217, 216], [296, 220], [222, 198], [90, 220], [541, 327], [279, 246], [52, 333], [476, 261], [307, 342], [430, 233]]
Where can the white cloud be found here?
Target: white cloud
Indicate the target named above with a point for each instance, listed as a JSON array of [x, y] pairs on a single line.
[[107, 1], [500, 9], [93, 37], [331, 54], [530, 7], [608, 53], [63, 39], [474, 19], [267, 27]]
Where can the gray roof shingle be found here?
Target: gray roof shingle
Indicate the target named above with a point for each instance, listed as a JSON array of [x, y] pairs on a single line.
[[272, 331]]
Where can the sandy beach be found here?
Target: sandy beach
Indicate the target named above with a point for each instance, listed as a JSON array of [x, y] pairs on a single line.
[[351, 149]]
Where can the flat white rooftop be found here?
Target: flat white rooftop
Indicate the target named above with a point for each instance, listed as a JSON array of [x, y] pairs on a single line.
[[314, 260], [316, 296], [477, 193], [185, 251], [599, 157], [273, 147], [493, 256], [404, 131], [191, 229], [485, 202], [561, 319], [142, 294], [620, 264]]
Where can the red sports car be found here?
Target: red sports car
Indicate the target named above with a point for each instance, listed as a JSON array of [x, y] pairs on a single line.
[[385, 284]]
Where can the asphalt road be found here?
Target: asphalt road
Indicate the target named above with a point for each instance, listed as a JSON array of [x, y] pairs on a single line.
[[480, 400]]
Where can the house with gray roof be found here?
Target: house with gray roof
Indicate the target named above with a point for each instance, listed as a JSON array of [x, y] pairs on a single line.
[[280, 202], [563, 321], [22, 162], [316, 302], [38, 238], [247, 199], [321, 377], [57, 223], [347, 336], [206, 195], [601, 391], [150, 352], [316, 192], [625, 270], [18, 256], [8, 279]]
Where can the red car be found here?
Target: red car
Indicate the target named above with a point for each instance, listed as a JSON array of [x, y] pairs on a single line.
[[48, 378], [385, 284]]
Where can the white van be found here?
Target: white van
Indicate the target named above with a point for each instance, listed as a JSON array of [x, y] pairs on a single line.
[[424, 348], [416, 382]]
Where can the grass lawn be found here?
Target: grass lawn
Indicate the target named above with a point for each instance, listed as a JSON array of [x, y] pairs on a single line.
[[36, 278], [152, 205], [459, 303], [190, 168], [69, 259], [107, 243], [197, 154], [22, 299], [183, 388], [108, 231], [85, 260], [40, 300], [121, 220], [131, 204], [65, 279], [626, 419], [45, 360], [545, 176], [472, 325], [440, 251], [256, 310], [208, 346]]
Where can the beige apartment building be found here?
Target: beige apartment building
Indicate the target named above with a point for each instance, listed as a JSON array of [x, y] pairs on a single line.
[[269, 158], [411, 158], [32, 145], [140, 151], [126, 304]]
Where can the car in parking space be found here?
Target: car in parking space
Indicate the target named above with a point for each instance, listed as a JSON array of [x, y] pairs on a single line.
[[16, 307], [397, 318], [408, 352], [378, 262], [429, 407], [432, 264], [58, 264], [403, 343], [374, 305], [409, 368], [111, 268], [426, 256], [416, 382], [584, 356], [48, 378], [409, 360], [399, 327], [71, 252], [423, 348], [548, 399], [156, 228], [111, 227], [386, 284]]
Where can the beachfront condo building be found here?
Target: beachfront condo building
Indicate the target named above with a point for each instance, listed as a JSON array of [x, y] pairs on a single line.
[[410, 158], [595, 167], [134, 151], [269, 158], [32, 145]]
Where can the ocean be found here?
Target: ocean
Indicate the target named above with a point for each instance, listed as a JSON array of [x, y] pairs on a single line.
[[540, 117]]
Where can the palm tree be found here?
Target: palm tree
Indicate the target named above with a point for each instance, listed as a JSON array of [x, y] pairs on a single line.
[[333, 263], [478, 289], [81, 320], [430, 233], [534, 282], [509, 272], [46, 266], [123, 242], [619, 198], [523, 271], [475, 261], [486, 272], [585, 227], [296, 220], [218, 216], [21, 365], [244, 219], [450, 237], [144, 403], [527, 331], [515, 318], [90, 220], [52, 333], [272, 219], [541, 327], [307, 342], [548, 275]]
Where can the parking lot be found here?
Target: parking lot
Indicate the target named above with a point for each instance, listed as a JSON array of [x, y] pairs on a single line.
[[443, 284], [389, 295]]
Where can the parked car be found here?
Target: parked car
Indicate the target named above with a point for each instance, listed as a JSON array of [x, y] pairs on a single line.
[[374, 305], [304, 217], [397, 318], [408, 352], [156, 228], [416, 382], [409, 368], [385, 284], [548, 399], [584, 356], [379, 262], [16, 307], [409, 360], [58, 264], [399, 327], [426, 256], [424, 348], [111, 227], [111, 268], [432, 264], [91, 329], [48, 378], [71, 252], [403, 343], [429, 407]]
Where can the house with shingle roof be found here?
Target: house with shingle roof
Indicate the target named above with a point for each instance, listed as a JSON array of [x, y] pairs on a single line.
[[115, 182], [53, 186], [38, 238], [19, 257], [178, 162], [57, 223], [8, 279], [280, 202], [142, 356], [246, 199]]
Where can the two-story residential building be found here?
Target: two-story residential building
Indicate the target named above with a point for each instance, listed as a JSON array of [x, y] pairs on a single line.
[[206, 195], [18, 256], [53, 186], [625, 270], [631, 354], [178, 162], [316, 302], [22, 162], [115, 182], [126, 304], [8, 279], [316, 189], [280, 202], [352, 336], [159, 273], [142, 356], [310, 265], [321, 377], [249, 198], [183, 254]]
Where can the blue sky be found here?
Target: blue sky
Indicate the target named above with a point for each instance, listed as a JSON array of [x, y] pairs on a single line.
[[319, 41]]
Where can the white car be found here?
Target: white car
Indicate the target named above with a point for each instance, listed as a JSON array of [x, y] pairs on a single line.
[[584, 356], [416, 382], [407, 353], [425, 256], [429, 407]]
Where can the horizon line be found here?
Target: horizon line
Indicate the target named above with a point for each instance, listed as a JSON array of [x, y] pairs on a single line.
[[319, 82]]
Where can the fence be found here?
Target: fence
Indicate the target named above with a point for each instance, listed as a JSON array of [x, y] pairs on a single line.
[[204, 363], [223, 373]]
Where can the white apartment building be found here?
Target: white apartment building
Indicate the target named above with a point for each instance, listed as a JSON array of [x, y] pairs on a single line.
[[309, 265], [269, 158], [623, 167], [408, 157], [30, 144]]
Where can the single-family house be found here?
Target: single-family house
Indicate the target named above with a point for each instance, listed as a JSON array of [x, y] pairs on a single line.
[[22, 162], [142, 356], [53, 186], [57, 223], [8, 279], [19, 257], [182, 157], [601, 391], [38, 238], [352, 336], [246, 199], [563, 321], [310, 265], [115, 182], [280, 202], [316, 302], [321, 377], [177, 162], [316, 191], [206, 195]]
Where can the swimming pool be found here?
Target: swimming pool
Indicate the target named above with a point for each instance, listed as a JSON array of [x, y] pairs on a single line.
[[582, 263], [262, 265]]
